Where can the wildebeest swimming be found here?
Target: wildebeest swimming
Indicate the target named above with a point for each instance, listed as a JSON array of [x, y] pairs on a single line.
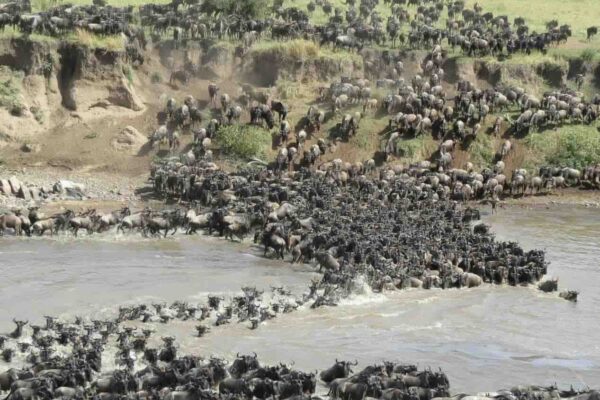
[[67, 360]]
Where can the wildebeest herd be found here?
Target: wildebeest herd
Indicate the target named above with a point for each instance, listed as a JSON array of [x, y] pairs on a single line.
[[394, 227], [68, 360], [415, 24], [418, 105]]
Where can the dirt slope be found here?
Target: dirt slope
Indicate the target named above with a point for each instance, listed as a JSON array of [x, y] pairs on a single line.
[[88, 100]]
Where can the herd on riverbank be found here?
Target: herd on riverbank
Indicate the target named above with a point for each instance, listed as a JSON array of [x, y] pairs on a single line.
[[400, 230]]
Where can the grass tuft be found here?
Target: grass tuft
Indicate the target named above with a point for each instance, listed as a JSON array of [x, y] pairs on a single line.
[[482, 150], [92, 41]]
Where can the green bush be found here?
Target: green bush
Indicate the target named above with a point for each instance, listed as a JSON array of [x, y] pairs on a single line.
[[244, 141], [573, 146], [577, 149]]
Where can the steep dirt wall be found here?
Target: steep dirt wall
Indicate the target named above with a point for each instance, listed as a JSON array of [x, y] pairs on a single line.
[[30, 57], [534, 77], [264, 68], [52, 79]]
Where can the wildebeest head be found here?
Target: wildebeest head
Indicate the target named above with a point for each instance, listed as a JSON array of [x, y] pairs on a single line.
[[243, 364], [371, 370], [440, 380], [341, 369]]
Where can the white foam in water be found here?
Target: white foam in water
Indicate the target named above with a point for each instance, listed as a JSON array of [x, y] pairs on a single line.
[[391, 315], [363, 294], [427, 300], [413, 328]]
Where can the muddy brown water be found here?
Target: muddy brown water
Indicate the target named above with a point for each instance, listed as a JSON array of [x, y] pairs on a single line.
[[485, 338]]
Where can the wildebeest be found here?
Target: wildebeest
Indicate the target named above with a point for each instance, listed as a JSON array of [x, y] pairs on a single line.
[[341, 369]]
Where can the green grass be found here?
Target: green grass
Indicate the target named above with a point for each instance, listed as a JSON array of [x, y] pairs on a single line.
[[417, 149], [298, 50], [92, 41], [573, 146], [244, 141], [367, 137], [11, 33], [482, 150]]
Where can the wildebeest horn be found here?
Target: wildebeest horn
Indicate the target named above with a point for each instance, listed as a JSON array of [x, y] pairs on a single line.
[[336, 361], [355, 362], [255, 355], [238, 355]]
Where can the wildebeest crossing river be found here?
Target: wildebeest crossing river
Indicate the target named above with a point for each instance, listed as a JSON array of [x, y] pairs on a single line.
[[484, 338]]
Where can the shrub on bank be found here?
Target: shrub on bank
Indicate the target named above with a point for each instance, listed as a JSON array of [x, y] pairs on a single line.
[[573, 146], [9, 97], [244, 141]]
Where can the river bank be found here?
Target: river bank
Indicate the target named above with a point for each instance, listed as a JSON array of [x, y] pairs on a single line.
[[109, 191], [105, 191]]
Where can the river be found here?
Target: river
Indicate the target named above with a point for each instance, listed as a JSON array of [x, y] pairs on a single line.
[[485, 338]]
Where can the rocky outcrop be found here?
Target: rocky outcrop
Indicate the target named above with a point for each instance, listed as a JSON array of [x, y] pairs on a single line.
[[123, 95], [128, 140]]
